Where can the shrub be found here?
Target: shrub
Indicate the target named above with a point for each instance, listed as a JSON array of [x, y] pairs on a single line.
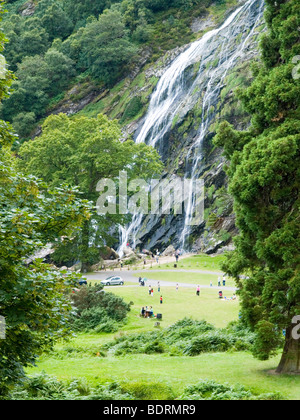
[[45, 387], [132, 109], [97, 310], [149, 391], [154, 347], [188, 337], [108, 326], [209, 342], [211, 390], [90, 319]]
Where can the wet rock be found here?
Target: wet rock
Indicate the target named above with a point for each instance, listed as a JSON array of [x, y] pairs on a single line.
[[170, 251]]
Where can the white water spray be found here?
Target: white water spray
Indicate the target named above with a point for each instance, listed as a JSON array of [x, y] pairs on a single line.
[[172, 99]]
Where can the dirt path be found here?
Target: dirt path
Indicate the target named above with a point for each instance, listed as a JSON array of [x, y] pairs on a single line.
[[130, 276]]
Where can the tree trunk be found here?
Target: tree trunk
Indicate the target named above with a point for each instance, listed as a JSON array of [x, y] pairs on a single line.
[[290, 360]]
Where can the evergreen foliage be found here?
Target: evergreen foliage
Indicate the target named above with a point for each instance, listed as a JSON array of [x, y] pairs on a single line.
[[264, 181]]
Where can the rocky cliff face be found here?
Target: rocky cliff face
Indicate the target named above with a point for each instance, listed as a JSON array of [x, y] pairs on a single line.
[[198, 80]]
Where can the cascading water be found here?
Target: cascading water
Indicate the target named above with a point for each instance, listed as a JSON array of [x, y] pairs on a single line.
[[175, 95]]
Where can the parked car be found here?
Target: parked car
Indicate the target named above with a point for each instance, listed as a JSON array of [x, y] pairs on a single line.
[[113, 281], [82, 282]]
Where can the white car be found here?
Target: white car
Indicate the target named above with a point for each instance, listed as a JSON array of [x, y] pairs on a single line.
[[113, 281]]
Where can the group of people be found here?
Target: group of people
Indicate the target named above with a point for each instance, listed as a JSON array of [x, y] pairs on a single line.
[[147, 312], [226, 298], [223, 281], [151, 292], [157, 256]]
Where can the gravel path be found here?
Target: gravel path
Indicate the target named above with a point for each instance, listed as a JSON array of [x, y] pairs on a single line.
[[130, 276]]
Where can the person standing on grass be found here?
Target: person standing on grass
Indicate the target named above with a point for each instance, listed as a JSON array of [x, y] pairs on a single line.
[[152, 291], [177, 287], [198, 291], [158, 286], [224, 280], [161, 300]]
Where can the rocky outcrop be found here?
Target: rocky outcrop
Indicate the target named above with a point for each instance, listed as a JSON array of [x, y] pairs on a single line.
[[206, 98], [27, 9]]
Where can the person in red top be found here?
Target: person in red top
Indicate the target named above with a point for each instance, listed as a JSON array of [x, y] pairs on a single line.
[[161, 300]]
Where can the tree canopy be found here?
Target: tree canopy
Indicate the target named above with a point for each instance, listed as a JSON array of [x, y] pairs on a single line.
[[80, 151], [32, 295], [264, 181]]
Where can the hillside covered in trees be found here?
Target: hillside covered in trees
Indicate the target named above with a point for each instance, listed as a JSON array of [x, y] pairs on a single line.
[[54, 44]]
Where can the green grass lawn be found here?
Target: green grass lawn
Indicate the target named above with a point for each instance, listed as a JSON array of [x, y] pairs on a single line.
[[176, 372], [195, 262], [177, 305]]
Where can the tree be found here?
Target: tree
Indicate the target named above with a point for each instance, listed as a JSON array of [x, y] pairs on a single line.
[[105, 47], [80, 11], [81, 151], [39, 79], [32, 296], [264, 182], [26, 38], [57, 22]]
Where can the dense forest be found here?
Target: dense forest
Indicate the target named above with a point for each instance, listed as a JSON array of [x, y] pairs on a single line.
[[100, 41]]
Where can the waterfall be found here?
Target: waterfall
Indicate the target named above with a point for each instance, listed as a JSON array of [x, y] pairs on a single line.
[[175, 96]]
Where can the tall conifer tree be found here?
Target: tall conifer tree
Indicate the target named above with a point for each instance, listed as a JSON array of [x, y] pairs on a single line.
[[264, 173]]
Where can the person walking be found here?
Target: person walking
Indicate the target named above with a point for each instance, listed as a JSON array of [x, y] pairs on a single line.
[[177, 287], [161, 300], [158, 286], [198, 291], [152, 291], [219, 281], [149, 290]]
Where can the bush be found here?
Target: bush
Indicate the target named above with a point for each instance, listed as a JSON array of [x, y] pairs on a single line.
[[188, 337], [90, 319], [97, 310], [211, 390], [149, 391], [154, 347], [132, 109], [209, 342], [45, 387], [94, 296], [108, 326]]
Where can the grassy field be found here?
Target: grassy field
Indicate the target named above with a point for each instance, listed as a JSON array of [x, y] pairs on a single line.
[[177, 305], [195, 262], [79, 358], [177, 372]]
